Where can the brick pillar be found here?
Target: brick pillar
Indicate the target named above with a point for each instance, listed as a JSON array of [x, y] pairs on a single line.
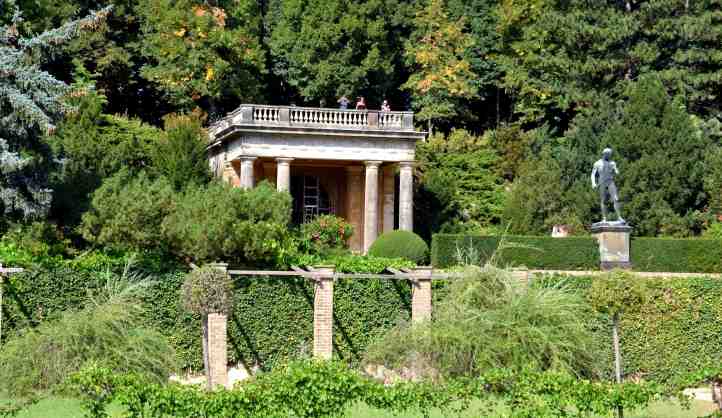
[[323, 313], [421, 294], [389, 198], [247, 180], [215, 334], [406, 196], [371, 203], [355, 206], [217, 355]]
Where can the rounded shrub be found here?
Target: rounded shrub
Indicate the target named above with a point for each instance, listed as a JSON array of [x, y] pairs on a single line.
[[207, 290], [400, 244]]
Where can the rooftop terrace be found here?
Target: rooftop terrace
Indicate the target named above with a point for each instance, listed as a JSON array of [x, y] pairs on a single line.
[[252, 115]]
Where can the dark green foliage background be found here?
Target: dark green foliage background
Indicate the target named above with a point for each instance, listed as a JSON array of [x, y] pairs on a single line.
[[578, 253]]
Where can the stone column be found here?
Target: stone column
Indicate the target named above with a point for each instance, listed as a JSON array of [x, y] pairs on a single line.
[[388, 198], [371, 203], [217, 357], [283, 174], [406, 196], [355, 206], [216, 344], [421, 294], [323, 313], [247, 181]]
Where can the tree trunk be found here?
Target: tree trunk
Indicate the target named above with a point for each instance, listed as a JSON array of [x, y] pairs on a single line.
[[206, 365], [617, 359]]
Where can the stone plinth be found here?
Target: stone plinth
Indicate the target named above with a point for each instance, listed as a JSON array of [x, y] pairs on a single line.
[[613, 241]]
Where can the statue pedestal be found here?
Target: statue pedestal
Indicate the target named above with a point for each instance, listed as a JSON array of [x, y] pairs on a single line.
[[613, 240]]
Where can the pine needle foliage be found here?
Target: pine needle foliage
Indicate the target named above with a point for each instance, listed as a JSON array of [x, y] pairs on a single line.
[[487, 321], [31, 103]]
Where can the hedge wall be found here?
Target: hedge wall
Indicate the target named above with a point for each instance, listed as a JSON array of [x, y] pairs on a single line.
[[577, 253], [573, 253], [677, 330], [272, 318]]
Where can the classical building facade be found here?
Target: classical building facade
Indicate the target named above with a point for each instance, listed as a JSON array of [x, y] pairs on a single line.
[[356, 164]]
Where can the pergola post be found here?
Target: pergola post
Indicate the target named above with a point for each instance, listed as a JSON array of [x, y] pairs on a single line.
[[323, 313], [421, 294], [215, 334]]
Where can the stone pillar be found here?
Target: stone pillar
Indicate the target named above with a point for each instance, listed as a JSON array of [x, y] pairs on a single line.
[[613, 245], [388, 198], [421, 294], [323, 313], [283, 174], [247, 181], [355, 206], [215, 334], [217, 358], [406, 196], [371, 203]]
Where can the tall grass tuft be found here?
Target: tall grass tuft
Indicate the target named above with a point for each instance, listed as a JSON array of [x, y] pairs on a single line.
[[489, 320], [106, 332]]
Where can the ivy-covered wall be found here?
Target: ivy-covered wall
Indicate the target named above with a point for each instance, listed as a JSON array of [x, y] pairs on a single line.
[[678, 329], [576, 253]]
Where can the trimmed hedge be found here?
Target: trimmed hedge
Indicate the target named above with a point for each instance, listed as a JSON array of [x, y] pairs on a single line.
[[576, 253], [573, 253], [676, 331], [271, 320], [400, 244]]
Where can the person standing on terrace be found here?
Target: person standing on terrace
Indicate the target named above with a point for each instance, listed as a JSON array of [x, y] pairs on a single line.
[[343, 102], [361, 103]]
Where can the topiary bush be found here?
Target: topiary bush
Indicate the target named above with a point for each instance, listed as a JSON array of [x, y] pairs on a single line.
[[400, 244], [207, 290]]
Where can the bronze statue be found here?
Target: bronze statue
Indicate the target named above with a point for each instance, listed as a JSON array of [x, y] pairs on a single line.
[[606, 170]]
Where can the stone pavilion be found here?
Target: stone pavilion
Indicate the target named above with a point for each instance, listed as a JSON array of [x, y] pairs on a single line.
[[356, 164]]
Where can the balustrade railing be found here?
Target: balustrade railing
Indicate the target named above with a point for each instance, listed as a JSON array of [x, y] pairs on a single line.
[[316, 117]]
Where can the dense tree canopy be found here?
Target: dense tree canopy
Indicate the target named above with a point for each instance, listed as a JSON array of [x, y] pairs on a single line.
[[522, 96]]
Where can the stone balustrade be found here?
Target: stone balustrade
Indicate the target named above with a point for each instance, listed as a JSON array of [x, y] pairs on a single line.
[[311, 117]]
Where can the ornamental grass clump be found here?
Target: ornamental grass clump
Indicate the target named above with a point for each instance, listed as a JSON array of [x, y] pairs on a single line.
[[107, 332], [488, 320]]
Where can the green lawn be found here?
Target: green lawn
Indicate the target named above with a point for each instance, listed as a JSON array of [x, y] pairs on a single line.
[[70, 408]]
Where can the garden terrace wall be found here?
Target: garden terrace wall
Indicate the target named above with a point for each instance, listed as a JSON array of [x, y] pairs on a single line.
[[576, 253], [678, 328]]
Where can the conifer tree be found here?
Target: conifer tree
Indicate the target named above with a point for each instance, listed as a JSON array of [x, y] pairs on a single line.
[[31, 103]]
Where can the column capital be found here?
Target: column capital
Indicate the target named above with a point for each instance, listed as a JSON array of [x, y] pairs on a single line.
[[247, 158], [284, 160], [372, 164], [407, 164]]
